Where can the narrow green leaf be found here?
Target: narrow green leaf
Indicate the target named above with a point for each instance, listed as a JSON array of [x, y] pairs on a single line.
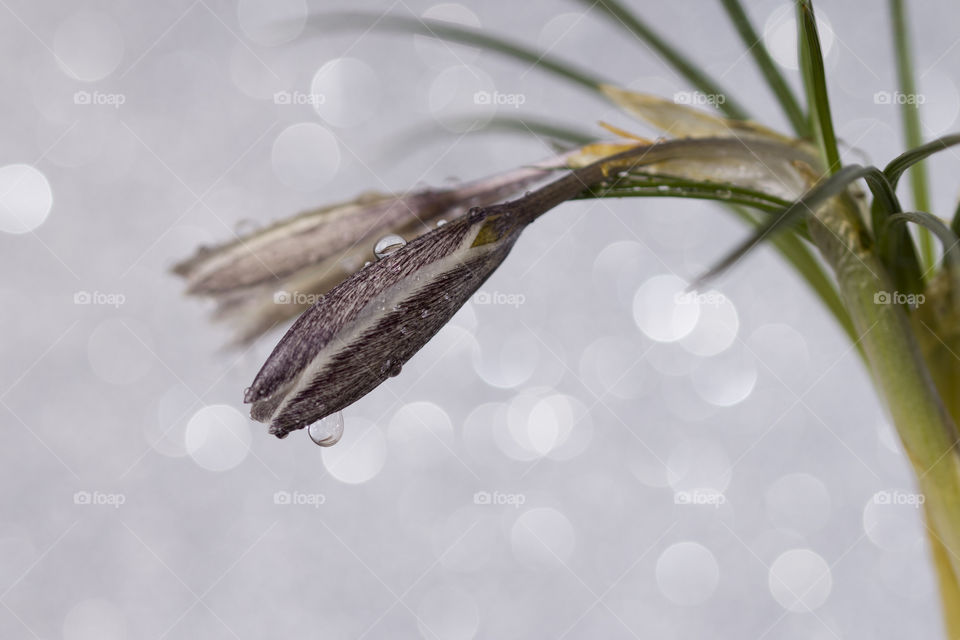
[[771, 72], [790, 245], [896, 167], [678, 192], [672, 56], [339, 21], [815, 80], [538, 127], [820, 193], [910, 112], [955, 223], [560, 137], [947, 237], [640, 184]]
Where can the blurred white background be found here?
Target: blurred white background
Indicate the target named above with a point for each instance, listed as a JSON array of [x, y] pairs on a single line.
[[566, 459]]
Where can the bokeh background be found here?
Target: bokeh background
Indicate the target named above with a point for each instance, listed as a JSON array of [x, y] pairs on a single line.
[[573, 456]]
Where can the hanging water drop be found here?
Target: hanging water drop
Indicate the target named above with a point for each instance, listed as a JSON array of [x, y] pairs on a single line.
[[387, 245], [391, 367], [441, 222], [328, 431]]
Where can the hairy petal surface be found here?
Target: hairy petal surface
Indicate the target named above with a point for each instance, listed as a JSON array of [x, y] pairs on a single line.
[[367, 327], [271, 275]]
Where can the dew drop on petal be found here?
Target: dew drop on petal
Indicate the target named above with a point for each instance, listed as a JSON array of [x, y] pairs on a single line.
[[328, 431], [391, 367], [387, 245]]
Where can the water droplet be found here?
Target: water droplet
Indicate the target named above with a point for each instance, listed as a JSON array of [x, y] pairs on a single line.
[[367, 264], [663, 187], [424, 313], [328, 431], [440, 223], [391, 368], [388, 244]]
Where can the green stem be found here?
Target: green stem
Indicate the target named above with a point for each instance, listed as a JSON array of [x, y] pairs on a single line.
[[899, 370], [674, 58], [778, 84], [947, 580], [910, 114]]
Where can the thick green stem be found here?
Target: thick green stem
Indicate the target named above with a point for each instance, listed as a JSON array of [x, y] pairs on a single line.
[[900, 373], [947, 581]]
